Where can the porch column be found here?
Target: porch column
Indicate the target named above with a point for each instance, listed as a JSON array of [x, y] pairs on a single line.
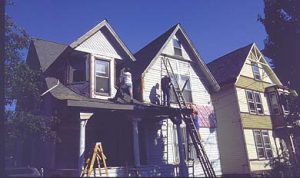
[[83, 120], [183, 171], [136, 145]]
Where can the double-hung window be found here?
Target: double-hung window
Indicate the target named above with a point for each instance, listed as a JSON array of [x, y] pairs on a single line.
[[102, 71], [263, 144], [255, 70], [177, 47], [254, 102]]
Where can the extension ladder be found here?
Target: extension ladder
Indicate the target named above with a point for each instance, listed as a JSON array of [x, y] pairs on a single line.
[[89, 164], [201, 154]]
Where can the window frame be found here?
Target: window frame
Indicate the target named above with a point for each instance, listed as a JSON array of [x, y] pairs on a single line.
[[109, 77], [272, 105], [175, 47], [256, 71], [254, 102], [266, 147]]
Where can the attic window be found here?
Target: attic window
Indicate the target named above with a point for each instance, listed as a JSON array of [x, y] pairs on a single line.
[[177, 47], [78, 70], [255, 70]]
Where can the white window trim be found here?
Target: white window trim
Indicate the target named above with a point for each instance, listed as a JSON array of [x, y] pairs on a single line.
[[93, 93], [255, 102], [254, 73], [263, 145]]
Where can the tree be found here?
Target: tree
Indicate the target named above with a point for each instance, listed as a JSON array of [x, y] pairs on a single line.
[[282, 24], [22, 88]]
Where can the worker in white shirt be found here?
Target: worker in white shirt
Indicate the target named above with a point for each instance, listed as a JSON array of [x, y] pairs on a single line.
[[126, 81]]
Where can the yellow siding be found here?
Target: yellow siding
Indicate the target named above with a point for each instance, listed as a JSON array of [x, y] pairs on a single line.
[[256, 121], [245, 82]]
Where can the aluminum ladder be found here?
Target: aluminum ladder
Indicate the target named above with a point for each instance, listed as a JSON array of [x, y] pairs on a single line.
[[188, 119]]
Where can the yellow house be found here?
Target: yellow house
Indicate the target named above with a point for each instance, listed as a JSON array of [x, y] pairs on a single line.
[[246, 137]]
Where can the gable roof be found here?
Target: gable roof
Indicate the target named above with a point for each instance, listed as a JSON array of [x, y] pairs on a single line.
[[47, 52], [151, 51], [226, 69], [95, 29]]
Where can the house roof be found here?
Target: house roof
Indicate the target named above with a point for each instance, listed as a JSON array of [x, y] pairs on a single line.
[[146, 55], [95, 29], [47, 52], [73, 99], [226, 69]]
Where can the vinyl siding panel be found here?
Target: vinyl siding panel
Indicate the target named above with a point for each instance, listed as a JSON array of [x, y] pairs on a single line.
[[232, 154], [264, 100], [99, 44], [256, 121]]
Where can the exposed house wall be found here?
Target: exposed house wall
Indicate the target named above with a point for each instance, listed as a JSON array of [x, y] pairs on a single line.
[[200, 96], [230, 138]]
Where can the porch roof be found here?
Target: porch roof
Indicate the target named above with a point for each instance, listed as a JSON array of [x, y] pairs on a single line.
[[73, 99]]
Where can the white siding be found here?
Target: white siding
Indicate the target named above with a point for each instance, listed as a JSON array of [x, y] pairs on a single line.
[[250, 144], [209, 140], [200, 95], [242, 99], [99, 44], [265, 103], [169, 49], [153, 76]]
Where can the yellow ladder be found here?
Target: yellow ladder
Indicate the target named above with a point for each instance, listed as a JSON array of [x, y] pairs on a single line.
[[89, 164]]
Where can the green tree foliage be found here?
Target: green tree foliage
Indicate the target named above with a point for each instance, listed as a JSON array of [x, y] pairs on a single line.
[[22, 88], [282, 24]]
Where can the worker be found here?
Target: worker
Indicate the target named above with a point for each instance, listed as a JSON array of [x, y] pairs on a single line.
[[165, 87], [126, 82]]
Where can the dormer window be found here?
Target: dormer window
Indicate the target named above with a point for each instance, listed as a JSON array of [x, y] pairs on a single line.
[[177, 47], [255, 70], [77, 67], [102, 71]]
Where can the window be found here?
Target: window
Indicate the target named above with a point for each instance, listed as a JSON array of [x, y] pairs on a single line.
[[77, 67], [102, 76], [255, 70], [263, 144], [177, 47], [183, 81], [254, 102], [274, 103]]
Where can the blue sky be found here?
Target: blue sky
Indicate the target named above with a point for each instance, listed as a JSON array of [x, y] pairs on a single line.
[[215, 27]]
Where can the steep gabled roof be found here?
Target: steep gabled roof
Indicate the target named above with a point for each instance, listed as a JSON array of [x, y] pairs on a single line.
[[146, 55], [226, 69], [46, 52], [91, 32]]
